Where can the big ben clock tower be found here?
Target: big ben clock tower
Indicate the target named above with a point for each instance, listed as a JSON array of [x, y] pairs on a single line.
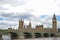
[[54, 23]]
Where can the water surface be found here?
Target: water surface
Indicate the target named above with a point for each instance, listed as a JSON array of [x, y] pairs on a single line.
[[7, 37]]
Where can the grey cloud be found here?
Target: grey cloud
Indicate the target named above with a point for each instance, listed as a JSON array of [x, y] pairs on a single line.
[[3, 27], [12, 16], [58, 5], [12, 25], [2, 8], [2, 23], [7, 24], [23, 16], [12, 2], [26, 16], [4, 14]]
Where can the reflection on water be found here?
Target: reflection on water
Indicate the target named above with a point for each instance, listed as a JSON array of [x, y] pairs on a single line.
[[7, 37], [40, 39]]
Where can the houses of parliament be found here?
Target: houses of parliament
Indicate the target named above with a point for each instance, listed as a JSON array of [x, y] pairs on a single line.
[[38, 28]]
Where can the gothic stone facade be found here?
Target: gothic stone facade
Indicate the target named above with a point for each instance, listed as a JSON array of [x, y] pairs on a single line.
[[39, 28]]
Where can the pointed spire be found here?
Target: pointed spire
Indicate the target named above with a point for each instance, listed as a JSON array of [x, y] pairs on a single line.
[[54, 17], [30, 24]]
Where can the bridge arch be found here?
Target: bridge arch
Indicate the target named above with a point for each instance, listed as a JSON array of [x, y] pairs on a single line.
[[13, 35], [27, 35], [52, 35], [45, 34], [38, 35]]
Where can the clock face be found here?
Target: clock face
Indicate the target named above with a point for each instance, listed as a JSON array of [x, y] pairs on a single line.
[[53, 20]]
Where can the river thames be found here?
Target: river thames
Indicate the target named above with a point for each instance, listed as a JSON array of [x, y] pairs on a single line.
[[36, 39], [5, 37]]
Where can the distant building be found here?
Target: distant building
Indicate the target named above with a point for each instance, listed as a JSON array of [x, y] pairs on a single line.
[[9, 28]]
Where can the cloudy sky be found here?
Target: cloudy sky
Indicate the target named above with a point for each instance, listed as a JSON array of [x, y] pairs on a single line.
[[37, 11]]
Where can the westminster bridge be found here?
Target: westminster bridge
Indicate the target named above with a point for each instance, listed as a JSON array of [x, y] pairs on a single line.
[[18, 34]]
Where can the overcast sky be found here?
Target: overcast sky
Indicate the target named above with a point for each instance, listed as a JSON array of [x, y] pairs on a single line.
[[37, 11]]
